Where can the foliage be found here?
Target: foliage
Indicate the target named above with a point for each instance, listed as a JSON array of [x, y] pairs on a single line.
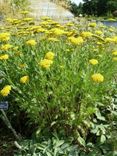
[[62, 76], [20, 4], [76, 9], [50, 147], [99, 7]]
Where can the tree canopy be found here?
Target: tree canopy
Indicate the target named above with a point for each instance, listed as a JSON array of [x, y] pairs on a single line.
[[95, 7]]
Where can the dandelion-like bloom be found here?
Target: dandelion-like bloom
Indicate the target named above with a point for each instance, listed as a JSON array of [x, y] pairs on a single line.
[[93, 61], [98, 32], [114, 58], [97, 77], [57, 31], [111, 40], [115, 39], [4, 57], [6, 47], [6, 90], [50, 55], [76, 41], [4, 36], [24, 79], [86, 34], [114, 53], [31, 42], [45, 63], [92, 24]]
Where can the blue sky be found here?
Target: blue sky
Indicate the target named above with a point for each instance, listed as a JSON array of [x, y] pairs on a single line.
[[76, 1]]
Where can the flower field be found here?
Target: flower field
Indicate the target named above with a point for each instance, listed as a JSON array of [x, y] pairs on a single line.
[[63, 76]]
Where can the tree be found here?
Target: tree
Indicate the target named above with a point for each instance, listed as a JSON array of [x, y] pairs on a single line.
[[99, 7], [75, 9]]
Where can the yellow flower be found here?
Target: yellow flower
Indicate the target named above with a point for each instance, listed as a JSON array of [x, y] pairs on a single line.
[[114, 53], [45, 63], [114, 58], [24, 79], [98, 32], [97, 77], [99, 43], [93, 61], [92, 24], [57, 31], [86, 34], [4, 36], [31, 42], [4, 57], [50, 55], [6, 47], [115, 39], [111, 29], [76, 41], [23, 65], [6, 90]]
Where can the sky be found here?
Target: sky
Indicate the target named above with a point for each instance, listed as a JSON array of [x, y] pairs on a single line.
[[76, 1]]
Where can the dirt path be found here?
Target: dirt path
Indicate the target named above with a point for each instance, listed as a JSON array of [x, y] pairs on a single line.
[[46, 8]]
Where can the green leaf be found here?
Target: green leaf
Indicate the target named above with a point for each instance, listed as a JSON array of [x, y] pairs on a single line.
[[102, 138], [81, 141]]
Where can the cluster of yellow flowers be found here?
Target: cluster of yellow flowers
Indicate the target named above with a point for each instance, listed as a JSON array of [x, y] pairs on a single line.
[[24, 79], [93, 61], [4, 36], [97, 77], [31, 42], [76, 41], [4, 57], [6, 90], [48, 60], [73, 37]]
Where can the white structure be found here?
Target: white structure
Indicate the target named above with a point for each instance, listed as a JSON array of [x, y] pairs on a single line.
[[46, 8]]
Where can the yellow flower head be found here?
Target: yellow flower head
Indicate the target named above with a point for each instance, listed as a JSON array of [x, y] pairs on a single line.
[[24, 79], [31, 42], [45, 63], [98, 32], [6, 47], [115, 39], [92, 24], [23, 65], [50, 55], [99, 43], [114, 58], [4, 36], [4, 57], [97, 77], [114, 53], [76, 41], [6, 90], [86, 34], [93, 61], [108, 40], [57, 31]]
